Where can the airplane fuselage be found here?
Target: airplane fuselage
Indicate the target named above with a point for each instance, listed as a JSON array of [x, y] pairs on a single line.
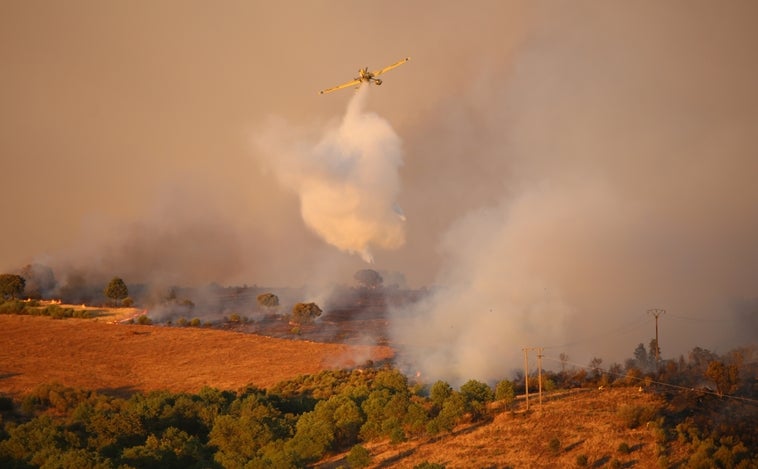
[[364, 75]]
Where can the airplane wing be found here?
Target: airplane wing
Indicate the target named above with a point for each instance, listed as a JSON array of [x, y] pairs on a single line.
[[339, 87], [395, 65]]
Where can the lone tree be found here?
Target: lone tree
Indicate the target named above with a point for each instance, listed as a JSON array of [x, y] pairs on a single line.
[[11, 286], [268, 300], [305, 312], [369, 278], [116, 290]]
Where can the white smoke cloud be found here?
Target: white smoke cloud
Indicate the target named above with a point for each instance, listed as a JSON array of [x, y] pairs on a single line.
[[347, 181], [621, 179]]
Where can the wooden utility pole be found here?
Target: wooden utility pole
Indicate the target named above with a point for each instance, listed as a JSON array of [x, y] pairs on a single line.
[[539, 373], [526, 375]]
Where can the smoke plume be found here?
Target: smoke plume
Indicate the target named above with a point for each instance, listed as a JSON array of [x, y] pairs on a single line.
[[622, 181], [347, 181]]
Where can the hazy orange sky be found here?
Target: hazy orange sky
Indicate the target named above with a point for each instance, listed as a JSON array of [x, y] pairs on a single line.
[[124, 113], [603, 153]]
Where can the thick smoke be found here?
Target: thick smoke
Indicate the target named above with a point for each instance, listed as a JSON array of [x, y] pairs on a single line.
[[626, 183], [347, 182]]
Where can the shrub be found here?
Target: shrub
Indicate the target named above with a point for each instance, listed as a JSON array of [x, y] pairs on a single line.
[[554, 445], [624, 448], [633, 416], [581, 460], [358, 457], [12, 307], [83, 314], [144, 320], [195, 322], [429, 465]]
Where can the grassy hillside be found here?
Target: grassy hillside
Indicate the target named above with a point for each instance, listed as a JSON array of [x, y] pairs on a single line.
[[609, 428], [92, 354]]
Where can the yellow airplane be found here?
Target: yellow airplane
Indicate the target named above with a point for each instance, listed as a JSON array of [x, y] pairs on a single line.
[[365, 75]]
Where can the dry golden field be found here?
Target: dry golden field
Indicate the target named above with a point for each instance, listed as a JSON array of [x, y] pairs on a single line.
[[120, 358]]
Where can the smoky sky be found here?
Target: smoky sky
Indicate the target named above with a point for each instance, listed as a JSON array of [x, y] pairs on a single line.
[[566, 166]]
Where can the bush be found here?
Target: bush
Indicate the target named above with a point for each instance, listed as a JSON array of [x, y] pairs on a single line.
[[195, 322], [634, 416], [429, 465], [624, 448], [358, 457], [13, 307], [555, 445], [582, 460], [144, 320]]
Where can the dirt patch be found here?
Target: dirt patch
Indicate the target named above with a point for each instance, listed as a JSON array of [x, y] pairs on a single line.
[[93, 354]]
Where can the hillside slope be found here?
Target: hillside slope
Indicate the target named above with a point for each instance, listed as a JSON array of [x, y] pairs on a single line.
[[591, 423], [91, 354]]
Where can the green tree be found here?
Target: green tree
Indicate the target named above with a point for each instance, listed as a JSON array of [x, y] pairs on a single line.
[[313, 437], [369, 278], [476, 395], [305, 312], [116, 290], [440, 392], [451, 412], [344, 417], [726, 377], [251, 424], [268, 300], [358, 457], [506, 392], [11, 286]]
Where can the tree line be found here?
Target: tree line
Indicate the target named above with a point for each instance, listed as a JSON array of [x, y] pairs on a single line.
[[292, 424], [300, 421]]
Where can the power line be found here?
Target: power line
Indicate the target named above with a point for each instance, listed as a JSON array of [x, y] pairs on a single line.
[[618, 330], [685, 318], [660, 383]]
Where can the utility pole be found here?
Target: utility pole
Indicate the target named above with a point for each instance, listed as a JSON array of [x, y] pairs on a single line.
[[539, 373], [526, 375], [656, 313]]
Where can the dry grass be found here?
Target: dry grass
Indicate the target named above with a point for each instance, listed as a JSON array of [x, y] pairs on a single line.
[[92, 354], [584, 423]]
